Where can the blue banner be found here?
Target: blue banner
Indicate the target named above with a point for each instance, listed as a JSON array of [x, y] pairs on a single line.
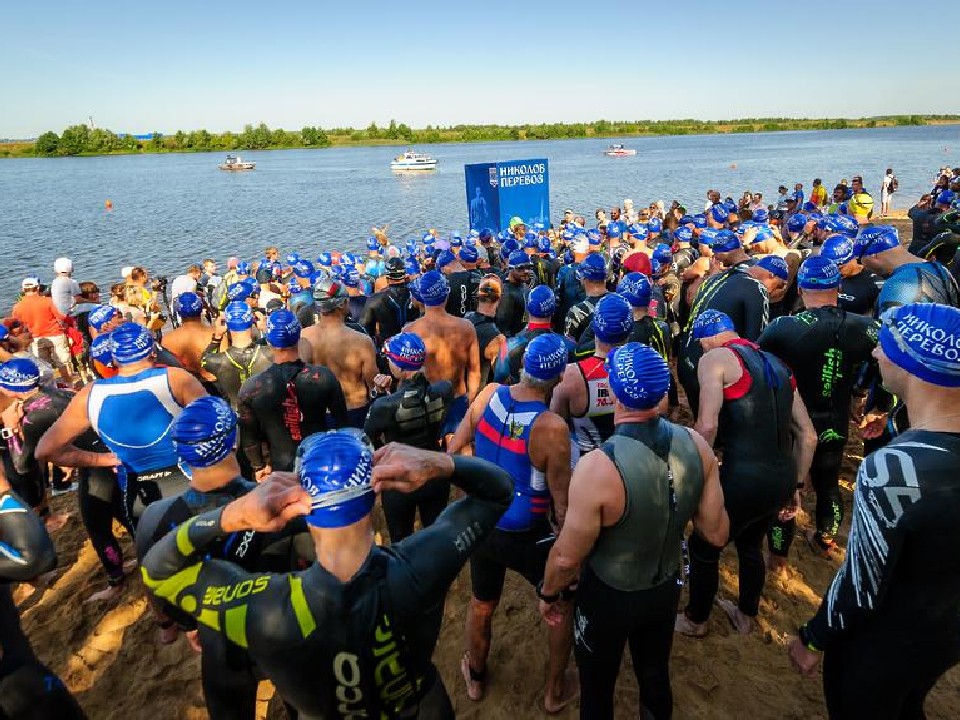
[[497, 192]]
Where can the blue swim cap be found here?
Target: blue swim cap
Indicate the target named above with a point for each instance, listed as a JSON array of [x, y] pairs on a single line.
[[776, 265], [100, 316], [946, 197], [545, 357], [541, 303], [351, 278], [686, 220], [876, 239], [529, 240], [283, 329], [325, 259], [509, 247], [818, 273], [639, 376], [683, 234], [426, 238], [847, 226], [434, 288], [238, 291], [763, 233], [719, 213], [101, 349], [710, 323], [373, 243], [445, 258], [132, 343], [411, 267], [699, 221], [348, 259], [843, 209], [654, 226], [543, 244], [238, 316], [406, 350], [708, 235], [293, 258], [593, 237], [486, 234], [335, 469], [414, 287], [837, 248], [593, 268], [663, 254], [613, 230], [519, 259], [205, 433], [19, 375], [761, 216], [469, 254], [456, 240], [188, 305], [635, 287], [243, 268], [633, 229], [924, 340], [4, 333], [796, 223], [471, 240], [303, 268], [725, 241], [612, 319], [808, 206]]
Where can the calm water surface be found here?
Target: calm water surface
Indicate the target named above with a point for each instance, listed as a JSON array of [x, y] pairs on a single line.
[[170, 210]]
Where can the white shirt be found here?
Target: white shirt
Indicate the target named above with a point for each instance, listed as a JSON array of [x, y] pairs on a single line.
[[63, 291], [182, 284]]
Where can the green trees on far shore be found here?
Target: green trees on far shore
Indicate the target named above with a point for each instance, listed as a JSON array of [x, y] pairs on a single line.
[[82, 140]]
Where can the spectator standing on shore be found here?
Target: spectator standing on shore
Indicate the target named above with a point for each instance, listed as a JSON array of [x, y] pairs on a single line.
[[64, 290], [818, 195], [45, 324], [798, 194], [860, 204], [888, 186]]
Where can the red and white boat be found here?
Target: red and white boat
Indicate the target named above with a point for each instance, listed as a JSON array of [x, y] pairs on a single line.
[[618, 150]]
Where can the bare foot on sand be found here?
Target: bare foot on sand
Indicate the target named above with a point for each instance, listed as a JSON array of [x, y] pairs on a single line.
[[776, 564], [743, 624], [475, 681], [553, 704], [686, 626], [55, 522]]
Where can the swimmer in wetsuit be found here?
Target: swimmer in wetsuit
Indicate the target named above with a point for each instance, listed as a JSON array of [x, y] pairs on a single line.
[[243, 357], [347, 353], [491, 343], [828, 349], [349, 633], [413, 415], [541, 306], [593, 275], [205, 436], [388, 310], [623, 538], [287, 401], [28, 689], [98, 494], [749, 408], [887, 626], [132, 413], [511, 312], [859, 287], [452, 351]]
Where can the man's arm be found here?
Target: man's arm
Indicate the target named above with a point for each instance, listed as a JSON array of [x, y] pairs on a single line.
[[379, 418], [550, 452], [56, 446], [250, 431], [560, 401], [473, 366], [26, 549], [184, 386], [338, 402], [710, 520], [711, 375], [804, 438], [463, 438], [368, 362], [595, 482]]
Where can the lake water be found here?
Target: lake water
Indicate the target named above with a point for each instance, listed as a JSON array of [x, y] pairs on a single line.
[[171, 210]]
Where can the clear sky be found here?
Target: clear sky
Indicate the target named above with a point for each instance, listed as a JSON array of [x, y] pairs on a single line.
[[140, 67]]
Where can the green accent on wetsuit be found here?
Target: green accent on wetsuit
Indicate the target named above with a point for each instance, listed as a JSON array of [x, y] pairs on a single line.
[[662, 475]]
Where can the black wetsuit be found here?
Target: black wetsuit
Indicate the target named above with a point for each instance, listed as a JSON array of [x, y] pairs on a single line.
[[413, 415], [386, 312], [578, 318], [98, 493], [544, 271], [460, 297], [28, 689], [649, 331], [284, 404], [888, 624], [508, 371], [234, 366], [758, 475], [356, 305], [569, 292], [487, 330], [858, 293], [735, 293], [828, 349], [360, 648], [228, 675], [512, 311]]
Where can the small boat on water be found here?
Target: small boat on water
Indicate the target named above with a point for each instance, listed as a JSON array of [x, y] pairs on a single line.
[[618, 150], [235, 162], [411, 160]]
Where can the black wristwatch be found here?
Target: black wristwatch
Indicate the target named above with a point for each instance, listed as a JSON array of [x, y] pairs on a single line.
[[547, 598]]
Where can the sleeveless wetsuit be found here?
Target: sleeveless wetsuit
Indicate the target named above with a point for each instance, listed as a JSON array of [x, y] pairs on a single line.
[[487, 330]]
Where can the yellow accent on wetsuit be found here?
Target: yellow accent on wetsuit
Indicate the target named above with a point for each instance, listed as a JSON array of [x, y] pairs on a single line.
[[300, 607], [183, 539], [235, 624]]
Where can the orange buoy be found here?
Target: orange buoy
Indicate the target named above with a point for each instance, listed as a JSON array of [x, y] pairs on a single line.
[[108, 204], [733, 166]]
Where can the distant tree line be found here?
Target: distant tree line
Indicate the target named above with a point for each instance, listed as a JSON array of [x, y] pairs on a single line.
[[82, 140]]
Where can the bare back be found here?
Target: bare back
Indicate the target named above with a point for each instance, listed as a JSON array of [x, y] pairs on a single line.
[[350, 355], [452, 350], [188, 342]]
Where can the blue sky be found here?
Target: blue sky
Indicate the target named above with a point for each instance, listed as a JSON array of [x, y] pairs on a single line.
[[216, 65]]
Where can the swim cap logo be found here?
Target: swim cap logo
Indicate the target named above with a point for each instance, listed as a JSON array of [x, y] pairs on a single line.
[[921, 335]]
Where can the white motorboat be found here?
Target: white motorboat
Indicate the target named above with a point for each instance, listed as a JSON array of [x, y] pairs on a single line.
[[411, 160], [618, 150], [235, 162]]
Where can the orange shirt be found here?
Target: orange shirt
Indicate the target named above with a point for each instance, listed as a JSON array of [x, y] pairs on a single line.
[[40, 316]]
